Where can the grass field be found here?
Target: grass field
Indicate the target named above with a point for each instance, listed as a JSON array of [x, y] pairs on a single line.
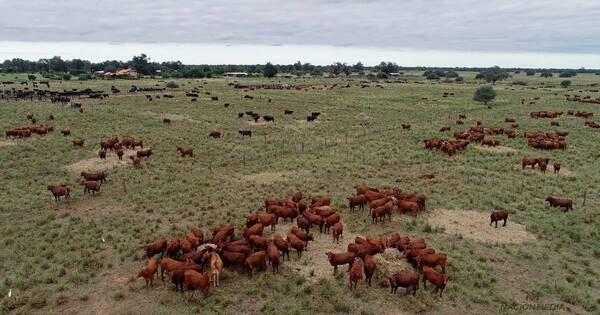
[[54, 259]]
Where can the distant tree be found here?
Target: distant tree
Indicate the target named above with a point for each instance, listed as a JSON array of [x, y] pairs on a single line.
[[84, 76], [316, 72], [66, 77], [567, 73], [307, 67], [269, 70], [141, 65], [56, 64], [546, 74], [493, 74], [519, 82], [530, 72], [459, 79], [484, 94], [387, 67], [358, 67], [31, 77], [565, 83], [451, 74], [382, 75], [339, 68], [298, 66], [432, 76]]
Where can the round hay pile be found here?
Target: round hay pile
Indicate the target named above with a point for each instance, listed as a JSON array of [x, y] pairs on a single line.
[[388, 263]]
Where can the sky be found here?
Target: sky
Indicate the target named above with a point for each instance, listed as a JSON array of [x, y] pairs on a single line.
[[543, 33]]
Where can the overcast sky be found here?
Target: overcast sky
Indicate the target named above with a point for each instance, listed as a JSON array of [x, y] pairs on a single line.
[[493, 26]]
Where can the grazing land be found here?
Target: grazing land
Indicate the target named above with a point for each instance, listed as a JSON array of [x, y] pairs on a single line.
[[82, 256]]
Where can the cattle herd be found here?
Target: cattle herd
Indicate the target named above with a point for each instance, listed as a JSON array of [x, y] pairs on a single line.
[[197, 260], [184, 259]]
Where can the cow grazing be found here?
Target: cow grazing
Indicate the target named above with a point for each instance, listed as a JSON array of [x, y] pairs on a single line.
[[432, 260], [359, 201], [144, 153], [369, 267], [439, 280], [102, 154], [560, 202], [101, 176], [245, 133], [194, 280], [273, 254], [556, 167], [78, 142], [340, 259], [148, 272], [408, 280], [257, 259], [282, 245], [120, 153], [215, 134], [288, 112], [296, 243], [157, 247], [268, 219], [135, 160], [337, 231], [355, 273], [66, 132], [185, 151], [91, 186], [59, 191], [166, 121], [498, 216]]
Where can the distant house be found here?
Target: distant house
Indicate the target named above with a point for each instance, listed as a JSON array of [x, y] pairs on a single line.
[[395, 74], [235, 74], [129, 73]]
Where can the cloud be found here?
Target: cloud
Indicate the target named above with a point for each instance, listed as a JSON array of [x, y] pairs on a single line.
[[469, 25]]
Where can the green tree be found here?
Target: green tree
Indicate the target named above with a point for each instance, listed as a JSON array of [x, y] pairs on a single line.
[[459, 79], [492, 74], [56, 64], [546, 74], [565, 83], [269, 70], [387, 67], [484, 94], [358, 67], [530, 72], [567, 73], [31, 77]]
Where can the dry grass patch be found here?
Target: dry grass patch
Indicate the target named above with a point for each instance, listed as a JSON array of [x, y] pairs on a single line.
[[96, 164], [7, 143], [476, 226], [267, 177], [260, 122], [496, 149]]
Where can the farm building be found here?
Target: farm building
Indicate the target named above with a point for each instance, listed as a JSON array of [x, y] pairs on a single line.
[[122, 73], [235, 74]]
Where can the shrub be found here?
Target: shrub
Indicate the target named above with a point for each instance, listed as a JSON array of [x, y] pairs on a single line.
[[546, 74], [565, 83], [567, 73], [66, 77], [530, 72], [382, 75], [519, 82], [172, 85], [84, 77], [31, 77], [484, 94], [459, 79], [269, 70]]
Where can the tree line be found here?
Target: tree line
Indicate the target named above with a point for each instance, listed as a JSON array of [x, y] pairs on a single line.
[[176, 69]]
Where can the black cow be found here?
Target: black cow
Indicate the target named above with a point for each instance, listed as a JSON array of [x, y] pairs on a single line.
[[246, 133]]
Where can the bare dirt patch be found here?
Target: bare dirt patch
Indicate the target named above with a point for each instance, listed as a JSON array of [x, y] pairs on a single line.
[[96, 164], [7, 143], [496, 149], [260, 122], [314, 264], [476, 226], [564, 172]]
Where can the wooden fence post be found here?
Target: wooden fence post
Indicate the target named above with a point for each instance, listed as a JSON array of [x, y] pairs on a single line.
[[584, 197]]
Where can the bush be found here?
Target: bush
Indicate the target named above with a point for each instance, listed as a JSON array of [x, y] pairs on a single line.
[[31, 77], [519, 82], [459, 79], [484, 94], [172, 85], [546, 74], [530, 72], [567, 73], [382, 75], [66, 77], [492, 74], [269, 70], [565, 83], [432, 76], [84, 76]]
